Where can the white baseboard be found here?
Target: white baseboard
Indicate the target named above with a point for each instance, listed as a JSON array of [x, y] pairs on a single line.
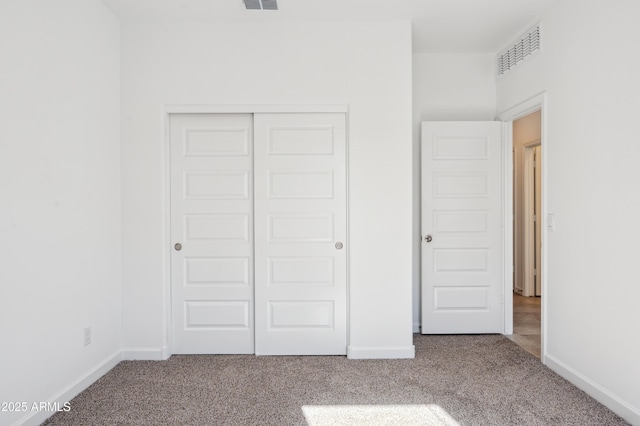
[[597, 392], [68, 393], [145, 354], [381, 352]]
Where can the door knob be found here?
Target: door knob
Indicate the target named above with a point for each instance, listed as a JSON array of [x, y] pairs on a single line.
[[428, 238], [339, 245], [178, 246]]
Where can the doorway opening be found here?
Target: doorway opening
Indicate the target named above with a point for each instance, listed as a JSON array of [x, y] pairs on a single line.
[[527, 231]]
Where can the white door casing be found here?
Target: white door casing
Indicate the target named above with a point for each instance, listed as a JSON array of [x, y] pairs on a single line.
[[462, 228], [508, 116], [300, 234], [211, 175]]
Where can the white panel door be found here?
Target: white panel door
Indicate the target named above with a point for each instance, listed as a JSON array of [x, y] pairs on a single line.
[[462, 248], [211, 233], [538, 213], [300, 234]]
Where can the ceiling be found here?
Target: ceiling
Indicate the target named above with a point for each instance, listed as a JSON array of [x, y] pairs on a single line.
[[439, 26]]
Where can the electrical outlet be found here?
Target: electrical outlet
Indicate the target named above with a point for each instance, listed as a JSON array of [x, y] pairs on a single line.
[[87, 335]]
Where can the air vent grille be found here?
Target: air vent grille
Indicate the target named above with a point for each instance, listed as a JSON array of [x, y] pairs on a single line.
[[519, 51], [261, 4]]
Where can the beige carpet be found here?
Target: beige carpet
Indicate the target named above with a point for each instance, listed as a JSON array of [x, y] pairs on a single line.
[[454, 380]]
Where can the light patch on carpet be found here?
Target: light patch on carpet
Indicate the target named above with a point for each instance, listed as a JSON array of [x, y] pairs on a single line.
[[330, 415]]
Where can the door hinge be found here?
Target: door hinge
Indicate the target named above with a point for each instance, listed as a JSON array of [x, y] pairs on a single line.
[[535, 272], [535, 219]]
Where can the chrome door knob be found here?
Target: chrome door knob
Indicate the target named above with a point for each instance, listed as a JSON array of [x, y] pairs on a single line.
[[428, 238], [178, 247], [339, 245]]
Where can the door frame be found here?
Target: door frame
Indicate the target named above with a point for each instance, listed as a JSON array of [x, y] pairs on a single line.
[[537, 102], [170, 109]]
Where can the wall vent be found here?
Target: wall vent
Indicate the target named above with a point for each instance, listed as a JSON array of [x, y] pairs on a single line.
[[524, 47], [261, 4]]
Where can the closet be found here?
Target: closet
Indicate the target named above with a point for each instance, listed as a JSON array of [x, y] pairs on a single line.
[[258, 222]]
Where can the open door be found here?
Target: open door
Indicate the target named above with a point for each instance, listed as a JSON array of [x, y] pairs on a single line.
[[462, 228], [532, 217], [538, 207]]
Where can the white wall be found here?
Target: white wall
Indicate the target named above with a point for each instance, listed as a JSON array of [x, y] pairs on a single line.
[[591, 157], [59, 198], [364, 65], [447, 87]]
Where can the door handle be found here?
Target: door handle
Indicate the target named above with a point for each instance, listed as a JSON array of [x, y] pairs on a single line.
[[178, 246], [428, 238], [339, 245]]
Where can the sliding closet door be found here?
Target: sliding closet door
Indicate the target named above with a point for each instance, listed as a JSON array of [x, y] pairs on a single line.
[[211, 233], [300, 234]]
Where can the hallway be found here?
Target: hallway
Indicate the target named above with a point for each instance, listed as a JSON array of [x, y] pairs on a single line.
[[526, 323]]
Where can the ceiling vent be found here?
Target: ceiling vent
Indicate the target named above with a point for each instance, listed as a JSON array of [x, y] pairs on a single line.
[[524, 47], [261, 4]]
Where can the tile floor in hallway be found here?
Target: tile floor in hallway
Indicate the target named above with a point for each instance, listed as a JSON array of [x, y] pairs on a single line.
[[526, 323]]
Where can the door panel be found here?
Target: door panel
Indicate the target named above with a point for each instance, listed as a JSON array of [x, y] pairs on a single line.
[[538, 203], [300, 211], [462, 274], [211, 217]]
